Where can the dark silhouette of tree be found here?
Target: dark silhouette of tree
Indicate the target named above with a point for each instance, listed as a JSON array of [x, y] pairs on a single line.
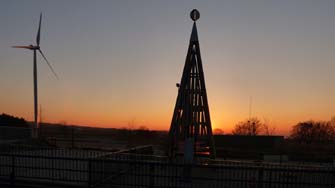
[[218, 131], [267, 128], [252, 126], [8, 120], [332, 121], [143, 128], [313, 132]]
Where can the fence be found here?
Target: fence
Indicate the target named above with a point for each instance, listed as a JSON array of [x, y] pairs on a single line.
[[126, 171], [14, 133], [45, 165], [153, 174]]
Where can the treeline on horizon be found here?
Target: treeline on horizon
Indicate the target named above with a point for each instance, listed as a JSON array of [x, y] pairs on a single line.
[[304, 132], [9, 120]]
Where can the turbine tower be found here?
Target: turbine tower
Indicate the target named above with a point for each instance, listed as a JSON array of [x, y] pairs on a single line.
[[35, 48], [190, 132]]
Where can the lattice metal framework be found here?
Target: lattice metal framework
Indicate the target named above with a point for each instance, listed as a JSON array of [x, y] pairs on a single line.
[[191, 121]]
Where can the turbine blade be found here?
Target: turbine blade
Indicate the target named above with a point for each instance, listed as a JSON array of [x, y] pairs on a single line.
[[39, 31], [53, 71], [25, 47]]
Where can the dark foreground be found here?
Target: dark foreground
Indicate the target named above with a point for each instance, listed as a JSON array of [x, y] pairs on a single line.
[[82, 168]]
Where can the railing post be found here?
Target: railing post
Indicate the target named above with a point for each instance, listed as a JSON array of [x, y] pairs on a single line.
[[260, 177], [270, 178], [89, 173], [152, 176], [12, 174]]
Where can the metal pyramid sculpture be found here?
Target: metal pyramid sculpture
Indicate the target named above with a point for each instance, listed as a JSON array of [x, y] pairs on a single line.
[[190, 133]]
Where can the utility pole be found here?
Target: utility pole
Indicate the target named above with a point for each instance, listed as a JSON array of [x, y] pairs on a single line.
[[72, 136], [40, 124]]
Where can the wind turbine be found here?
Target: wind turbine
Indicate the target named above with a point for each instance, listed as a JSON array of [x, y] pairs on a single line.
[[35, 48]]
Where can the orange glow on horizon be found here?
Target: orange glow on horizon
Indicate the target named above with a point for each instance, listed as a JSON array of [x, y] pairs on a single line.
[[157, 115]]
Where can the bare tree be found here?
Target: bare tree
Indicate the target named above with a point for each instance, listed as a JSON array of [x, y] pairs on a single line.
[[218, 131], [143, 128], [313, 131], [251, 126], [332, 121], [268, 129]]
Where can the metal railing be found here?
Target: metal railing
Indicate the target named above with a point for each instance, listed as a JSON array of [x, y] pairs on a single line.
[[150, 171], [162, 174]]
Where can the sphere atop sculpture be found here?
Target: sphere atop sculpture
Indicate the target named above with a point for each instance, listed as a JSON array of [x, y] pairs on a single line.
[[195, 14]]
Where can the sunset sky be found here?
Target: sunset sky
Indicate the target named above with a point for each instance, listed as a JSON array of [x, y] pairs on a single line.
[[118, 61]]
